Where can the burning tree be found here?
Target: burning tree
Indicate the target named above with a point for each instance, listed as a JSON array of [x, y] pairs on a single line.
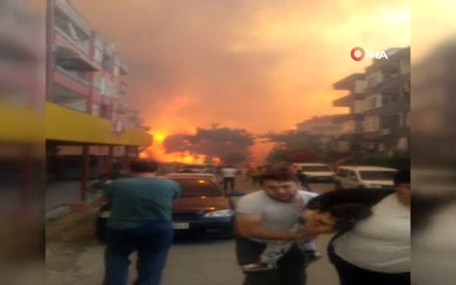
[[230, 145]]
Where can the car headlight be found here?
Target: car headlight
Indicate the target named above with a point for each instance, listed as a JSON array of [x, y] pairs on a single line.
[[219, 214]]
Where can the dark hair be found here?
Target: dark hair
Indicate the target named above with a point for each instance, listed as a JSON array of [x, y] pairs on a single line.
[[281, 174], [143, 165], [402, 176]]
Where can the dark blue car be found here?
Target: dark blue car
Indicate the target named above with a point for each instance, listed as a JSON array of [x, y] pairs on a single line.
[[203, 210]]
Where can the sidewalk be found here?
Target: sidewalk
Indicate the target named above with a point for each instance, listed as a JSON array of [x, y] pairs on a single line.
[[63, 197], [75, 257]]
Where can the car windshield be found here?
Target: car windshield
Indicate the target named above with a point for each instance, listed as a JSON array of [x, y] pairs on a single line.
[[315, 168], [377, 175], [198, 187]]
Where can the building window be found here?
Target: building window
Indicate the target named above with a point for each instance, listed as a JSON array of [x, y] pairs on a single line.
[[103, 86], [95, 110], [407, 119], [390, 122], [107, 62], [373, 102], [98, 55], [64, 24], [104, 111], [404, 65], [371, 124]]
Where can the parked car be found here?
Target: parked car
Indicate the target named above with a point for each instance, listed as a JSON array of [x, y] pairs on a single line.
[[197, 168], [202, 210], [178, 175], [314, 172], [366, 177]]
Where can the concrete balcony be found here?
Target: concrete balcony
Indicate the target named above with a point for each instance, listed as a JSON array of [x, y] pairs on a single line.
[[389, 109], [72, 56], [71, 81], [68, 10], [349, 83], [347, 117], [393, 84], [348, 100]]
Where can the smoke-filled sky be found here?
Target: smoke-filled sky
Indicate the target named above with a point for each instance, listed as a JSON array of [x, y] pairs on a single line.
[[256, 64]]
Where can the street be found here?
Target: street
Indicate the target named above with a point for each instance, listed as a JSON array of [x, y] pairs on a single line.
[[189, 262]]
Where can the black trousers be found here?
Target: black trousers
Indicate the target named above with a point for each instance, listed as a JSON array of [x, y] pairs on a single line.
[[350, 274], [290, 268]]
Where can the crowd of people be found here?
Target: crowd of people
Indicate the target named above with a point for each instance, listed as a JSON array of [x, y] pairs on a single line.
[[276, 228]]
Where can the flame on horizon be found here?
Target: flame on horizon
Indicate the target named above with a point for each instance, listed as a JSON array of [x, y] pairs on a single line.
[[157, 151]]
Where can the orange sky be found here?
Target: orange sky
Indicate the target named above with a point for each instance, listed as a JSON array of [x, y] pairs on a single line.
[[261, 64]]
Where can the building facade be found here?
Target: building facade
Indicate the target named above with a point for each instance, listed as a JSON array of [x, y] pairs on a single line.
[[324, 129], [322, 125], [379, 105], [89, 127]]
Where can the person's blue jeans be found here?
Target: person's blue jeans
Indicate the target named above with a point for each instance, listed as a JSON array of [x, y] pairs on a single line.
[[152, 242]]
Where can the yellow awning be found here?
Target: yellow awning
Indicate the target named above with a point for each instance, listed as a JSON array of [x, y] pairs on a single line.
[[63, 124]]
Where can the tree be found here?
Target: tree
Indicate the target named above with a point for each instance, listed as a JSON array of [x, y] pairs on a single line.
[[302, 156], [278, 154], [230, 145], [178, 143], [292, 146], [293, 140]]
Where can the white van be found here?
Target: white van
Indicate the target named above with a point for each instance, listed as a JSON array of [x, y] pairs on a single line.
[[314, 172], [367, 177]]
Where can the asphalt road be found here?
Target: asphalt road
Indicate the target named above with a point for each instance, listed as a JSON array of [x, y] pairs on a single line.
[[213, 262], [209, 262]]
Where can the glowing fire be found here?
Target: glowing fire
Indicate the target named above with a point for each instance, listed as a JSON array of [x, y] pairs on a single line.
[[157, 151], [172, 121]]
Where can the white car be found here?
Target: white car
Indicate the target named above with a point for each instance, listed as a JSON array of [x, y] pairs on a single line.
[[208, 176], [366, 177], [314, 172]]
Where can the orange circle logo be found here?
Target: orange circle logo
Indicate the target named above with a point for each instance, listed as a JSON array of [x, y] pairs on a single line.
[[353, 54]]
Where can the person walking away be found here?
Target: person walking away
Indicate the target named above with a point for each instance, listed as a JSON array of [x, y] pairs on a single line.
[[229, 178], [140, 221]]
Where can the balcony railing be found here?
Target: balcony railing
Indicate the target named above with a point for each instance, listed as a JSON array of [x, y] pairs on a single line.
[[83, 46]]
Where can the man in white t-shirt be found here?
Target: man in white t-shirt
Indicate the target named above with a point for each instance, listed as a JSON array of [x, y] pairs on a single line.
[[229, 177], [272, 216]]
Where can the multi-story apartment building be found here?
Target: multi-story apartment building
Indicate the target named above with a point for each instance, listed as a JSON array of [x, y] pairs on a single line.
[[323, 129], [387, 103], [86, 116], [356, 85], [379, 105], [321, 126], [352, 123]]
